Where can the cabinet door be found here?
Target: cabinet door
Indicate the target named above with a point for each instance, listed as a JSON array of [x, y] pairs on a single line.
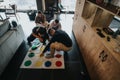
[[88, 40], [106, 67], [91, 56]]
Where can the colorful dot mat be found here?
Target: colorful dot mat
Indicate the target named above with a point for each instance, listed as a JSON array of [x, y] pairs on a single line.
[[33, 60]]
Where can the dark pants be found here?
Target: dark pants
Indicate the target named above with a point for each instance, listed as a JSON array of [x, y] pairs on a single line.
[[30, 38]]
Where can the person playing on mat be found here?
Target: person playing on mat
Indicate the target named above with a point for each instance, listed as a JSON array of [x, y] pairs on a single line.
[[40, 20], [40, 33], [59, 41], [55, 24]]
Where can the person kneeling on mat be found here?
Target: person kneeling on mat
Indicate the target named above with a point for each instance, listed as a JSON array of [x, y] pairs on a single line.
[[60, 41], [40, 33]]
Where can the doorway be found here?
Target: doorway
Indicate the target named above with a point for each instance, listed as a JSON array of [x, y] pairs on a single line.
[[68, 5], [21, 4]]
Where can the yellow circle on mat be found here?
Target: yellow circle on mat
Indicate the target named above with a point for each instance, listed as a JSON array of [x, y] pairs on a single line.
[[38, 64]]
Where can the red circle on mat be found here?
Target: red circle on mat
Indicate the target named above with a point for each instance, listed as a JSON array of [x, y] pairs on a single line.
[[58, 55], [58, 63]]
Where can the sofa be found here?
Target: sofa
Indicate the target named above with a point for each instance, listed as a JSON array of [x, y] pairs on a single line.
[[10, 40]]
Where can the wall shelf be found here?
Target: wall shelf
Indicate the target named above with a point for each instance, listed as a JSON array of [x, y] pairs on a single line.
[[110, 8]]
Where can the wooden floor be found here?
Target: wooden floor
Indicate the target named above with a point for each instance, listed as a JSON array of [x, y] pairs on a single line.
[[75, 68]]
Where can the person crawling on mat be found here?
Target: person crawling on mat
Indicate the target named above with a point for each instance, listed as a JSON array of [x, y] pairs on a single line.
[[40, 33], [60, 41]]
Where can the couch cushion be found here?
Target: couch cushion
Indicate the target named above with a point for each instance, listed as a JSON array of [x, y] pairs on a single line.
[[4, 26], [5, 37], [9, 43]]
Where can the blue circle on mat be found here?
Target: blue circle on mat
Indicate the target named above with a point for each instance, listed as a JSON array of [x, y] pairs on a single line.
[[48, 64]]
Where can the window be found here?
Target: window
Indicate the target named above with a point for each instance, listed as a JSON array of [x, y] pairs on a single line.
[[21, 4]]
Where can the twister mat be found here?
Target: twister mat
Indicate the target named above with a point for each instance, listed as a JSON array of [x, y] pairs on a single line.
[[33, 60]]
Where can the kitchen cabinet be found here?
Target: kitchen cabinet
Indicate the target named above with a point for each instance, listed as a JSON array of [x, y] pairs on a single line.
[[100, 51]]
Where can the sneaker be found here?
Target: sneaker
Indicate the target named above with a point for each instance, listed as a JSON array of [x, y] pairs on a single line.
[[49, 56]]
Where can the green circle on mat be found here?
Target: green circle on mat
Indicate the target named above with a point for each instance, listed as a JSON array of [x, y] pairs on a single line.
[[31, 54], [34, 47], [27, 63]]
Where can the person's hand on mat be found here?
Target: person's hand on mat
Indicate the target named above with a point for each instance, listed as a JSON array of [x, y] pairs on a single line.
[[41, 55]]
